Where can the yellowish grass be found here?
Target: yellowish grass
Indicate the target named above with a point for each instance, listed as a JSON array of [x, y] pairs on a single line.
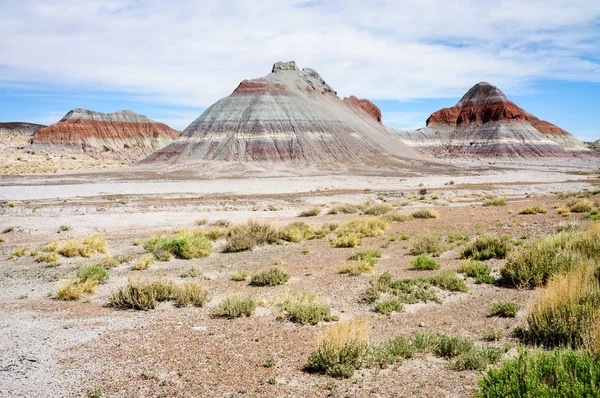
[[73, 289], [564, 289], [533, 210], [191, 293], [356, 269], [565, 311], [51, 258], [144, 262], [351, 333], [96, 243], [594, 229]]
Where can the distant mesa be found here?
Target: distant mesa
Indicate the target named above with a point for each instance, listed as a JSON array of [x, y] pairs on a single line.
[[290, 115], [595, 145], [20, 128], [485, 123], [122, 133]]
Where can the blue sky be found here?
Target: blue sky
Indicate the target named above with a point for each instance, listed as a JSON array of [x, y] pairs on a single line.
[[172, 59]]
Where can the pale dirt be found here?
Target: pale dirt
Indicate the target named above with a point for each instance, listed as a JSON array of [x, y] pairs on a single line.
[[51, 348]]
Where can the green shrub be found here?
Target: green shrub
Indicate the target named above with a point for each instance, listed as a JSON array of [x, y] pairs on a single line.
[[312, 212], [235, 307], [391, 351], [340, 350], [388, 306], [486, 247], [190, 293], [533, 264], [92, 272], [536, 373], [446, 280], [492, 335], [185, 247], [304, 308], [504, 309], [270, 277], [424, 262], [450, 347], [458, 239], [478, 358], [429, 243], [425, 213], [368, 256], [478, 270], [412, 290]]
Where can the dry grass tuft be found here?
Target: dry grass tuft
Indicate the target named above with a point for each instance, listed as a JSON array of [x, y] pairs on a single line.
[[248, 236], [340, 349], [566, 312], [533, 210], [312, 212], [430, 243], [305, 308], [425, 213], [235, 307], [142, 294], [191, 293], [357, 268], [144, 262], [580, 206], [495, 201]]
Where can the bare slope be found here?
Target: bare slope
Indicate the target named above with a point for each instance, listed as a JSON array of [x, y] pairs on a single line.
[[485, 123], [20, 128], [290, 115], [123, 132]]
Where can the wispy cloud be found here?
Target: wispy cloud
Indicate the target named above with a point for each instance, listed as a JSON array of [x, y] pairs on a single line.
[[192, 53]]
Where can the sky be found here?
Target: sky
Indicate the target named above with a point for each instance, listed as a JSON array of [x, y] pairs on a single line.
[[171, 59]]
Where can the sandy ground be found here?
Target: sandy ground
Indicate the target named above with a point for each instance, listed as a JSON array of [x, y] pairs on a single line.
[[53, 348]]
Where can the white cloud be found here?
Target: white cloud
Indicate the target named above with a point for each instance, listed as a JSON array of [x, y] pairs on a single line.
[[192, 53]]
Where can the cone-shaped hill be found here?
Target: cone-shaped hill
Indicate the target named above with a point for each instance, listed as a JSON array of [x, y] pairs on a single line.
[[122, 133], [290, 115], [485, 123]]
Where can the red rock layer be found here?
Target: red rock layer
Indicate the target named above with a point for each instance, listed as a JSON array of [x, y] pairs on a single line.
[[370, 108], [290, 115], [545, 127], [463, 116], [77, 131], [122, 131]]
